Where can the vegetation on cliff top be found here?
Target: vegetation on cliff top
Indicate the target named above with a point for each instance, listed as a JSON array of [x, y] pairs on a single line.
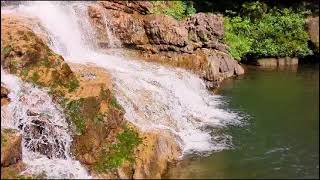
[[177, 9]]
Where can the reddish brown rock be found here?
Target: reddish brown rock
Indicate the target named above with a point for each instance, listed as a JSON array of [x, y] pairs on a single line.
[[193, 44]]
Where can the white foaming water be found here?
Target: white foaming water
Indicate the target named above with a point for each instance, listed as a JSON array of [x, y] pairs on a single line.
[[45, 137], [154, 97]]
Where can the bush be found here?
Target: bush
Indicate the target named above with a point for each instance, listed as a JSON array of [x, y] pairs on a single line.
[[280, 33], [277, 33], [237, 36], [176, 9]]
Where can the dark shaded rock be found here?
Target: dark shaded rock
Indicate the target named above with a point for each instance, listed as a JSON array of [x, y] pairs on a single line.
[[313, 31]]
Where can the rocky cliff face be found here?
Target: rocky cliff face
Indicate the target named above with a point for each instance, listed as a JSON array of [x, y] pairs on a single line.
[[193, 44]]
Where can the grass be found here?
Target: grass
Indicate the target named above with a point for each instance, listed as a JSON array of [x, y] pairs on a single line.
[[5, 51], [35, 77], [3, 140], [72, 85], [116, 154], [73, 112]]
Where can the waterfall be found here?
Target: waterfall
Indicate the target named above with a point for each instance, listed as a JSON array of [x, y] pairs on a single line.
[[45, 137], [155, 98]]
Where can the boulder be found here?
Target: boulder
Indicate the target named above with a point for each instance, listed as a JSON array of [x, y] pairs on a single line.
[[267, 62], [277, 62], [206, 29], [154, 155], [165, 30]]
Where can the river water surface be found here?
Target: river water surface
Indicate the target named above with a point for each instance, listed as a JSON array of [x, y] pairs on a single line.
[[281, 138]]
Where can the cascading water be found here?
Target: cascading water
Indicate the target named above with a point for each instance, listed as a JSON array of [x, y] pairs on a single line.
[[154, 97], [46, 140]]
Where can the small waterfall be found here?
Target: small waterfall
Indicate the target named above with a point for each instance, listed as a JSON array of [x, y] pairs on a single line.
[[113, 41], [45, 135], [154, 97]]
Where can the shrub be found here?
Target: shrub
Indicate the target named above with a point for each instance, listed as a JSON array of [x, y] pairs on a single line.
[[237, 36], [177, 9], [279, 32]]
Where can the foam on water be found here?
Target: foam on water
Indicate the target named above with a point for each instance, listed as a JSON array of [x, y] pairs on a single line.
[[154, 97]]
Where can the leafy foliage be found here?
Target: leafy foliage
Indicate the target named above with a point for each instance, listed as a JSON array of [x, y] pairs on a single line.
[[177, 9], [278, 32], [238, 36]]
